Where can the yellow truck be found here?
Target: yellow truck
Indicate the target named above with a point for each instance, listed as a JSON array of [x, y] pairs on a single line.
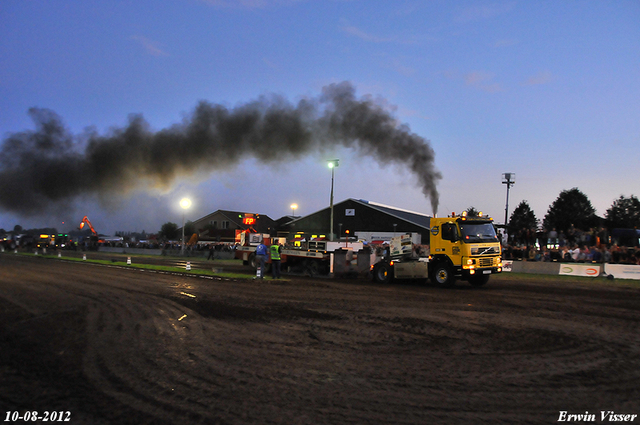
[[464, 247]]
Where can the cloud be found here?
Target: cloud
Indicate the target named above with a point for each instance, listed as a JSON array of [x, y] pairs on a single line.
[[397, 66], [543, 77], [482, 81], [483, 11], [475, 78], [372, 38], [505, 43], [357, 32], [271, 64], [405, 112], [152, 47], [248, 4], [404, 70]]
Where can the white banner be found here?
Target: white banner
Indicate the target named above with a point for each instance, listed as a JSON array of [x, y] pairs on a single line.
[[573, 269], [507, 265], [623, 271], [401, 245]]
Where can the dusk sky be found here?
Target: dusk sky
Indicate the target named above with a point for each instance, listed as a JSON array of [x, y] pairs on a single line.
[[548, 90]]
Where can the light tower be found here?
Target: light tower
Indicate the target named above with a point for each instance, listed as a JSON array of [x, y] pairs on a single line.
[[185, 203], [333, 163], [509, 179]]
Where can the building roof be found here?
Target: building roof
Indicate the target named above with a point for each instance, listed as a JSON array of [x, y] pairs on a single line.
[[412, 217], [263, 223]]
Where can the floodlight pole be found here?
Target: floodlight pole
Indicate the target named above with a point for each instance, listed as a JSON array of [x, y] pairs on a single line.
[[185, 203], [509, 179], [182, 245], [333, 163]]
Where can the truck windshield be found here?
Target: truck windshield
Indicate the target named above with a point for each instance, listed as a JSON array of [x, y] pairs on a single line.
[[478, 232]]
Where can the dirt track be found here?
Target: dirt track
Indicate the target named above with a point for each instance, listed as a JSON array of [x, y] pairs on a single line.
[[121, 346]]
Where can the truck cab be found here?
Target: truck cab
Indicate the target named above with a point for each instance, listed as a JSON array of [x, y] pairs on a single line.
[[465, 247]]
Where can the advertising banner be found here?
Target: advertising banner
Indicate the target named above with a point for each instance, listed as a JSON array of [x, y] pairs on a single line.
[[588, 270], [623, 271], [507, 265]]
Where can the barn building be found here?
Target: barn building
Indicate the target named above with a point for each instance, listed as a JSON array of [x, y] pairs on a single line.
[[361, 219]]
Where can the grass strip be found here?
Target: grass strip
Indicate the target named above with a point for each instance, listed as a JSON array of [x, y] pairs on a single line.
[[152, 267]]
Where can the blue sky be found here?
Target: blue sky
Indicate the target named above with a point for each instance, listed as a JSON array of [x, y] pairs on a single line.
[[547, 90]]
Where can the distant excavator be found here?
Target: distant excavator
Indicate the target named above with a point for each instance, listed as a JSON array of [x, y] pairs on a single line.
[[194, 240], [93, 239], [85, 221]]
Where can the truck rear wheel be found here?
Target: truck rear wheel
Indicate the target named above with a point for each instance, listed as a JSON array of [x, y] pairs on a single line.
[[443, 275], [314, 268], [382, 273], [311, 268]]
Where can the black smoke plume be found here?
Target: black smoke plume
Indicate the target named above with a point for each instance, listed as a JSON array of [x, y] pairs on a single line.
[[42, 168]]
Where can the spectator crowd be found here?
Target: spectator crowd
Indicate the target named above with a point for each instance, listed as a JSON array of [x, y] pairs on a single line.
[[591, 246]]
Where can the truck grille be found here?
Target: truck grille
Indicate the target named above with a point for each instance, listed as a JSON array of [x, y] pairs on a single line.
[[485, 262], [483, 251]]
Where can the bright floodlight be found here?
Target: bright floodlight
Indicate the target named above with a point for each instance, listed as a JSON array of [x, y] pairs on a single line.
[[185, 203], [509, 178]]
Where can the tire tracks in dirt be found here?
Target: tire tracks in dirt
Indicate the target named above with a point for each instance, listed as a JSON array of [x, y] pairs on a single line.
[[172, 349]]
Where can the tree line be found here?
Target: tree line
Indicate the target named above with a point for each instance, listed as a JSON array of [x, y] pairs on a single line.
[[573, 211]]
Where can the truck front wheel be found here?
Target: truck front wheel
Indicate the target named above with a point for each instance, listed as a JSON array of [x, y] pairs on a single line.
[[382, 273], [443, 275]]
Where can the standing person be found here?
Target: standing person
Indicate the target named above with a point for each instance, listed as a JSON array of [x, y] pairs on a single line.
[[261, 259], [211, 252], [275, 250]]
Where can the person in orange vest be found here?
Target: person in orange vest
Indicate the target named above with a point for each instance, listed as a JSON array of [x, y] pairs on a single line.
[[275, 250]]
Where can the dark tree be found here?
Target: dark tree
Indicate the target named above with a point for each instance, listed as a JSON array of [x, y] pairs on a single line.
[[523, 223], [572, 209], [169, 231], [472, 212], [189, 229], [624, 213]]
